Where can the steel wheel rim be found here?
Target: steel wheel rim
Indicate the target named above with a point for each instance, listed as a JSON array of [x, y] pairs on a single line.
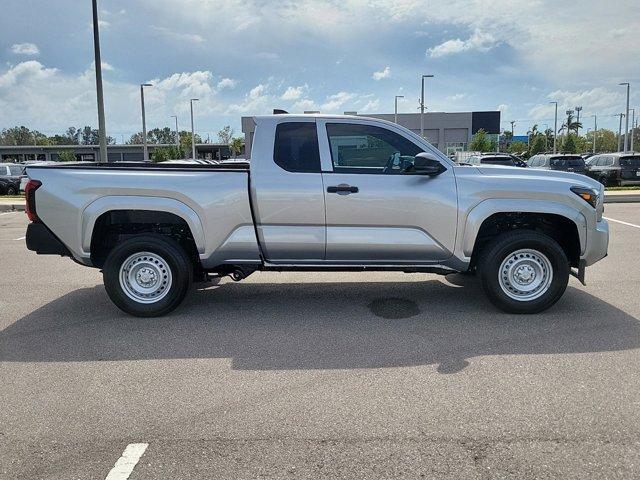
[[145, 277], [525, 275]]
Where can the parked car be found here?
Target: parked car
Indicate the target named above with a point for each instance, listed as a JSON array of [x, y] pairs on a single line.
[[492, 159], [615, 169], [15, 175], [563, 162], [325, 193]]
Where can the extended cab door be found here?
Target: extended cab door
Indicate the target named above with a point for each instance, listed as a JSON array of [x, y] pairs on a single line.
[[286, 190], [377, 210]]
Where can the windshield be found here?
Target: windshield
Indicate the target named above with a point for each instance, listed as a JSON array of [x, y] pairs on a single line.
[[16, 170], [630, 162], [567, 162]]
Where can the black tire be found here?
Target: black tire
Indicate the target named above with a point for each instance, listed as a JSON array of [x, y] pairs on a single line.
[[175, 259], [505, 245], [11, 190]]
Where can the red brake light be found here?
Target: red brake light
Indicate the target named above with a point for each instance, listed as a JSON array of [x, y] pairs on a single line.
[[30, 195]]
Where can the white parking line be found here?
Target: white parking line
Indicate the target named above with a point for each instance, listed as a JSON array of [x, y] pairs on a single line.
[[21, 238], [7, 213], [623, 223], [127, 462]]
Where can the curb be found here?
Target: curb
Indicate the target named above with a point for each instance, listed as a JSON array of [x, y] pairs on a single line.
[[621, 198], [12, 207]]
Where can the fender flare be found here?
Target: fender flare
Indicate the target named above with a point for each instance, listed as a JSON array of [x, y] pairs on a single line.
[[102, 205], [478, 214]]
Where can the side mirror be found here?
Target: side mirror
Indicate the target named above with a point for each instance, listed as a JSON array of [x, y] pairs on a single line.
[[426, 164]]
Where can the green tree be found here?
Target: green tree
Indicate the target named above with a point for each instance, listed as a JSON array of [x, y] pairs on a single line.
[[606, 141], [538, 144], [67, 156], [517, 147], [185, 141], [569, 144], [226, 135], [236, 145], [481, 142], [21, 135], [163, 154], [570, 125]]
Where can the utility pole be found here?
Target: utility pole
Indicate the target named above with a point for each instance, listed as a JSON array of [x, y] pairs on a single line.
[[578, 121], [395, 115], [102, 134], [145, 150], [193, 133], [555, 128], [626, 118], [422, 106], [620, 132], [177, 134], [595, 131], [633, 121], [513, 122]]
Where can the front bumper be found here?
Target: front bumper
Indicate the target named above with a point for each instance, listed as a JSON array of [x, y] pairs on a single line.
[[597, 243], [43, 241]]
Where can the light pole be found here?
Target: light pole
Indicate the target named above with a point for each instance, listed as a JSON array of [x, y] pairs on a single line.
[[626, 118], [193, 133], [422, 106], [395, 115], [145, 150], [546, 137], [578, 109], [102, 134], [620, 131], [177, 134], [555, 128], [513, 122], [595, 131], [633, 121]]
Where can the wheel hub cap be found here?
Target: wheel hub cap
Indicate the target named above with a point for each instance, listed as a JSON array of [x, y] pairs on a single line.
[[145, 277], [525, 275]]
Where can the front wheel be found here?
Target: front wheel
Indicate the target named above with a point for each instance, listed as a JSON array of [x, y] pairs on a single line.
[[147, 275], [11, 190], [524, 271]]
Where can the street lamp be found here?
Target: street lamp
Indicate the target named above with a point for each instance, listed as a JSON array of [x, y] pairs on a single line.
[[177, 134], [193, 133], [395, 115], [626, 118], [513, 122], [102, 134], [595, 131], [633, 121], [555, 128], [620, 131], [145, 151], [422, 105]]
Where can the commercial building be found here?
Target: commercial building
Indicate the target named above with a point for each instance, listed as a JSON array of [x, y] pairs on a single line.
[[449, 132], [116, 153]]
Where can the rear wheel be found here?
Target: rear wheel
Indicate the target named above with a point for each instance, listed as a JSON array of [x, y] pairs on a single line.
[[11, 190], [524, 271], [147, 276]]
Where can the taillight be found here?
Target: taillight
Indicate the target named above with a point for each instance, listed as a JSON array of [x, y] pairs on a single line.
[[30, 195]]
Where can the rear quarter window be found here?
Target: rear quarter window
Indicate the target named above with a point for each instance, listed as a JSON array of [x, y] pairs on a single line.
[[296, 147]]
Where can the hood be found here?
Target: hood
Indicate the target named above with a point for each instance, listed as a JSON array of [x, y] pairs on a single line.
[[533, 173]]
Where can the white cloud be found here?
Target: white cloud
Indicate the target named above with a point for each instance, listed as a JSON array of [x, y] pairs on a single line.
[[25, 49], [371, 106], [178, 36], [104, 24], [25, 73], [457, 96], [336, 101], [384, 73], [305, 105], [227, 83], [294, 93], [479, 41]]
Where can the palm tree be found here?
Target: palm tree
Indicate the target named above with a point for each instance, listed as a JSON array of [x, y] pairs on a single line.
[[570, 125]]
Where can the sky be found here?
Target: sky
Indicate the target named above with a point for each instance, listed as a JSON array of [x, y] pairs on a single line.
[[246, 57]]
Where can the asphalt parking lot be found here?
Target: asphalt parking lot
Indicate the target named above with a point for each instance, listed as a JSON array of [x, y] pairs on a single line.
[[378, 375]]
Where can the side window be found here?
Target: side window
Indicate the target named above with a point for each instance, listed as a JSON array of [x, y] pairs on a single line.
[[296, 147], [610, 162], [367, 149]]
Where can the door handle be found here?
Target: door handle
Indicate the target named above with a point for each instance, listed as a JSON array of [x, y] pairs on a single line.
[[342, 189]]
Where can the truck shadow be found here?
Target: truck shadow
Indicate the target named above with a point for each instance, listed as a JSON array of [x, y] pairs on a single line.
[[272, 326]]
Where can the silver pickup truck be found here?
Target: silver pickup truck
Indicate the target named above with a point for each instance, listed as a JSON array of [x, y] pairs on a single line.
[[321, 193]]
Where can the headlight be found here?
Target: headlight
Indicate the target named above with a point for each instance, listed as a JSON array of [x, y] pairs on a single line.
[[589, 195]]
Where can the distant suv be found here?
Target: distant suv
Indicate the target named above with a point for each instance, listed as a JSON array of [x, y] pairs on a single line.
[[615, 169], [562, 162], [12, 174], [492, 159]]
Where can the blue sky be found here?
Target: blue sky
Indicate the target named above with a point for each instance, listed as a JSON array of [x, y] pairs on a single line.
[[243, 57]]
